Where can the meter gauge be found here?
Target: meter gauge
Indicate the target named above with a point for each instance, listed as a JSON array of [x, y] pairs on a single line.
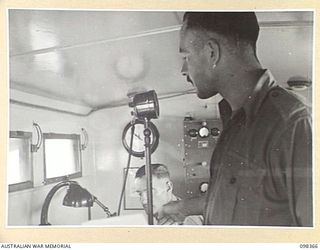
[[138, 145], [193, 132], [203, 132], [215, 132], [203, 187]]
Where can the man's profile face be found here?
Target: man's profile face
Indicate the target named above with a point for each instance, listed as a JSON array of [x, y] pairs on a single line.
[[162, 192], [195, 65]]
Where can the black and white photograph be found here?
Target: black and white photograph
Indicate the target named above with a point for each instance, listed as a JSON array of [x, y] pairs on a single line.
[[160, 119]]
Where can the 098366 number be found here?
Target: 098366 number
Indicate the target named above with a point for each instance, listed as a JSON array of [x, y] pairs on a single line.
[[309, 246]]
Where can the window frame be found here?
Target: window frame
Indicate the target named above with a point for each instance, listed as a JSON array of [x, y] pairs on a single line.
[[29, 183], [63, 177]]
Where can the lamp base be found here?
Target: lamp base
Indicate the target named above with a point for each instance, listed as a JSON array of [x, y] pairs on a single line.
[[45, 224]]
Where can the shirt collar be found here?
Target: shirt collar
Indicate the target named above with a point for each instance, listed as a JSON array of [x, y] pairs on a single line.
[[255, 99]]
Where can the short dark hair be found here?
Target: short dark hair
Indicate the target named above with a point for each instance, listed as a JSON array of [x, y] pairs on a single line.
[[157, 169], [240, 25]]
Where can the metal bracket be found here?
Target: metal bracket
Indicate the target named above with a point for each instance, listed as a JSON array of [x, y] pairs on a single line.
[[35, 147], [86, 139]]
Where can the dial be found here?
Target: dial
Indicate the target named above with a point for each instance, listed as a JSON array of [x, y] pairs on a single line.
[[203, 187], [215, 132], [203, 132], [138, 145], [193, 132]]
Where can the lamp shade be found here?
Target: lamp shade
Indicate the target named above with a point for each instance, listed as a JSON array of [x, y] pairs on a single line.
[[78, 197]]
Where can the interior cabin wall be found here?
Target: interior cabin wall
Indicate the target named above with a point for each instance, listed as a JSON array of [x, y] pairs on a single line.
[[287, 52], [25, 206]]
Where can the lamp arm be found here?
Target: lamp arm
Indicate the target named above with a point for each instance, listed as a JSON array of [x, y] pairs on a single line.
[[45, 206], [105, 209]]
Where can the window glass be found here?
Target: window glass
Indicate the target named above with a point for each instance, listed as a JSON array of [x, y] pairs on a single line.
[[19, 172], [62, 157]]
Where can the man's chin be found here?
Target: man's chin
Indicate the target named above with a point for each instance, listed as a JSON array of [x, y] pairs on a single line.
[[206, 95]]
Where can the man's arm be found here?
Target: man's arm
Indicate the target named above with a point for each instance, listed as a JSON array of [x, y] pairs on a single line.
[[293, 155], [179, 210]]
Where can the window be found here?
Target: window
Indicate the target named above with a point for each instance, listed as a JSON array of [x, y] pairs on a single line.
[[62, 157], [20, 175]]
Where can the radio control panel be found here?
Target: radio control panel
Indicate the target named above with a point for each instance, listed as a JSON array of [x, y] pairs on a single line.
[[200, 138]]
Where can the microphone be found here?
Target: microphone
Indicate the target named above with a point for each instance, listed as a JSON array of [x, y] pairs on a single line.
[[145, 105]]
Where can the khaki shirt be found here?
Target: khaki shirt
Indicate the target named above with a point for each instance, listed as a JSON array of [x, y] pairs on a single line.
[[261, 169]]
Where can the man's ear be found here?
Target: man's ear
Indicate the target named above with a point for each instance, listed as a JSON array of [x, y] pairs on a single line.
[[213, 51], [169, 186]]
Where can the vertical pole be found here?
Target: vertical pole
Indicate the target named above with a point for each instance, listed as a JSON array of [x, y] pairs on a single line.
[[89, 213], [147, 133]]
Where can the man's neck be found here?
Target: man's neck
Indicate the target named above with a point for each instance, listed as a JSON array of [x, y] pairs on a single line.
[[240, 86]]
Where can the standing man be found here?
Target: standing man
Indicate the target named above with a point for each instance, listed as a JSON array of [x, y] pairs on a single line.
[[261, 169]]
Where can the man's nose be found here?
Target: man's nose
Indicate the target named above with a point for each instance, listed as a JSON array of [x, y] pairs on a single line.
[[184, 69]]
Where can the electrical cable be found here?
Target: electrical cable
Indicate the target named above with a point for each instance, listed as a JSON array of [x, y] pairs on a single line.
[[127, 170]]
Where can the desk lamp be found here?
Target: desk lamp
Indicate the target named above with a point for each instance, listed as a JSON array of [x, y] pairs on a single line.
[[76, 196]]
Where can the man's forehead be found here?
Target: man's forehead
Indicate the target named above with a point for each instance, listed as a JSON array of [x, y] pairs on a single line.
[[140, 183], [188, 39], [185, 41]]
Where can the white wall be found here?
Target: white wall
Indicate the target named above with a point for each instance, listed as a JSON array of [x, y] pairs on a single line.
[[24, 207]]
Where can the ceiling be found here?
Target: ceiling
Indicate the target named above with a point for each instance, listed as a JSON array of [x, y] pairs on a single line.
[[96, 58]]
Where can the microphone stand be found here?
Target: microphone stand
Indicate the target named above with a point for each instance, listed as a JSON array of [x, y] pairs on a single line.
[[147, 140], [146, 106]]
